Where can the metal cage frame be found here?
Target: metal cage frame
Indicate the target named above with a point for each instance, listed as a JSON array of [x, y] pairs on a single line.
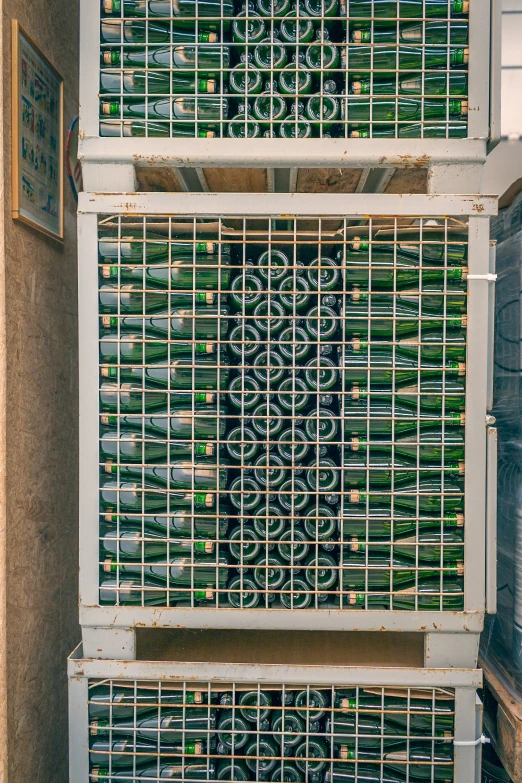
[[468, 708], [110, 629]]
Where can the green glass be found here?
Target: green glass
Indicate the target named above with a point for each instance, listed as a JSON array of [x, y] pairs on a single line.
[[131, 544], [242, 444], [132, 592], [323, 475], [295, 128], [203, 324], [383, 367], [155, 83], [379, 524], [408, 316], [267, 420], [244, 393], [176, 771], [430, 547], [293, 445], [253, 705], [428, 494], [293, 395], [293, 30], [381, 469], [287, 728], [122, 702], [294, 344], [245, 80], [261, 752], [180, 423], [322, 55], [187, 57], [294, 294], [403, 58], [412, 84], [179, 475], [270, 55], [433, 394], [324, 274], [435, 299], [243, 126], [321, 374], [133, 349], [244, 341], [269, 107], [183, 108], [245, 494], [148, 496], [295, 594], [131, 298], [409, 109], [321, 8], [113, 31], [322, 110], [294, 79], [269, 316], [244, 546], [244, 596], [233, 770], [269, 573], [384, 277], [320, 523], [273, 266], [248, 26], [309, 757], [376, 577], [201, 271], [395, 764], [322, 323], [172, 725], [232, 732], [155, 130], [322, 573], [275, 8], [155, 249], [182, 524], [312, 704], [428, 597], [431, 32], [392, 9], [268, 521], [322, 425], [417, 712], [169, 8], [293, 496], [246, 291], [132, 447], [430, 345], [198, 571], [181, 373], [119, 753], [381, 420], [434, 443], [269, 471], [293, 548], [416, 130], [269, 367]]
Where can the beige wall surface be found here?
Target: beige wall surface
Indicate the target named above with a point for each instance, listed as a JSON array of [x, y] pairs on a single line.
[[38, 297]]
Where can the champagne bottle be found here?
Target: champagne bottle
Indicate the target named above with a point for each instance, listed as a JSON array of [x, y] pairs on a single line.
[[310, 756], [381, 313], [178, 475], [269, 573], [294, 294], [322, 55], [132, 348], [378, 578], [153, 31], [158, 250], [147, 496], [243, 126], [324, 108], [123, 702], [433, 394], [269, 522], [295, 594], [345, 773], [321, 8], [409, 109], [205, 58], [294, 79], [246, 291], [406, 8], [233, 770], [430, 495], [416, 711], [273, 265], [186, 9], [383, 470], [269, 368], [431, 32], [269, 106], [261, 754], [288, 727], [389, 57], [269, 471], [254, 706], [293, 446], [140, 129], [201, 271], [245, 596], [201, 572], [269, 317], [242, 444], [270, 55], [181, 423], [321, 426], [320, 524], [321, 374], [416, 130], [267, 421], [244, 547], [294, 345], [426, 596], [275, 8], [133, 447], [297, 27], [433, 300], [379, 523], [323, 475], [156, 83], [294, 495], [244, 79], [172, 725], [295, 127], [177, 771], [412, 84], [120, 752], [140, 591], [209, 323], [210, 110], [181, 373], [128, 544], [292, 547], [293, 395], [312, 704], [131, 299], [232, 731], [378, 365], [182, 524], [322, 573], [244, 493], [322, 323], [244, 392], [429, 547], [395, 762], [387, 277], [429, 449], [244, 341], [248, 26], [324, 274]]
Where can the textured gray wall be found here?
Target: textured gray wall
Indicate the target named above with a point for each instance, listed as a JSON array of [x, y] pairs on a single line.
[[41, 443]]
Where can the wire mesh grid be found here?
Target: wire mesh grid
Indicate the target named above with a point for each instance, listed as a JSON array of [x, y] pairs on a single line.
[[315, 68], [282, 412], [231, 731]]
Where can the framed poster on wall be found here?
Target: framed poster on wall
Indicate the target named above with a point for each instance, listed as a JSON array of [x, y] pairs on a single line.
[[37, 138]]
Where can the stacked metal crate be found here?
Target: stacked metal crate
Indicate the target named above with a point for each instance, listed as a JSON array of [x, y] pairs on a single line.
[[284, 395]]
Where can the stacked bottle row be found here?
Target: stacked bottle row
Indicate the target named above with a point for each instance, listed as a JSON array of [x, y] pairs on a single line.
[[281, 733], [277, 68], [282, 421]]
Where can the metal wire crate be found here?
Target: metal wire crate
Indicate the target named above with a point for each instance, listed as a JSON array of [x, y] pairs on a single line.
[[220, 721], [219, 76], [253, 440]]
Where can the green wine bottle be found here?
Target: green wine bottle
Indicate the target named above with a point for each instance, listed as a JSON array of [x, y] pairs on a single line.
[[433, 444], [146, 496], [403, 9], [243, 596], [294, 294], [270, 55], [293, 548], [269, 522], [131, 299], [295, 127], [381, 420], [402, 58], [294, 79], [429, 546], [416, 130], [322, 323], [431, 32], [269, 317], [182, 524], [293, 445], [244, 392], [133, 592], [383, 312], [125, 702], [320, 524], [324, 274], [310, 758], [179, 11], [412, 84], [132, 447], [244, 493], [153, 31], [203, 271], [381, 366], [210, 110], [294, 345], [433, 300], [322, 55], [232, 732], [321, 374], [156, 83], [119, 753], [269, 106], [322, 573], [179, 475], [429, 495], [433, 394], [248, 26], [381, 470], [244, 547], [233, 770], [181, 373], [288, 727], [243, 126], [269, 368], [267, 420], [244, 341], [322, 425], [379, 524], [179, 571], [242, 444], [417, 712], [324, 108], [207, 323], [295, 594], [312, 704], [185, 57], [323, 475], [427, 596], [155, 130], [293, 496], [269, 471], [261, 754], [272, 266], [297, 27], [293, 395], [244, 79], [409, 109], [246, 291], [321, 8], [375, 577], [176, 771], [130, 544], [172, 725], [180, 423], [269, 573]]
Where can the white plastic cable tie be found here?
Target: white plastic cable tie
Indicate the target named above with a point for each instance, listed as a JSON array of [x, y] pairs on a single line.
[[482, 740], [489, 277]]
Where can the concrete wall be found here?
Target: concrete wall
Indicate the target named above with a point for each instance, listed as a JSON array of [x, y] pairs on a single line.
[[38, 438]]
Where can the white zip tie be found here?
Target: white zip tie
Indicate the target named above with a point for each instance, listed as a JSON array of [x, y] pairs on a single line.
[[489, 277], [482, 740]]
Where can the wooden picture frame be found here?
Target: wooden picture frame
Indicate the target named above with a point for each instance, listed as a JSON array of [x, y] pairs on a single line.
[[37, 137]]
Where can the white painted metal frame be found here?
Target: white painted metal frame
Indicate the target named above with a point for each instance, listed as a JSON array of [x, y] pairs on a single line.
[[109, 630], [465, 681], [125, 153]]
